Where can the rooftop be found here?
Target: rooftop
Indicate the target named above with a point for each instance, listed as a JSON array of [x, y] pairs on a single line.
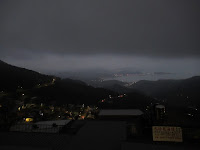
[[120, 112], [160, 106], [100, 135], [42, 126], [57, 122]]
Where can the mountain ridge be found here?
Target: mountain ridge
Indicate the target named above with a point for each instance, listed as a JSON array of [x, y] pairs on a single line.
[[20, 77]]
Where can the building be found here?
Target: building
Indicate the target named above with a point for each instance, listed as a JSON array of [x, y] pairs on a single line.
[[160, 113], [90, 135], [100, 135], [54, 126], [133, 118], [120, 114]]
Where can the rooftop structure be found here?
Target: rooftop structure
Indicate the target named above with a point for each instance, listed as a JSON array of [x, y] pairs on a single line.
[[93, 134], [43, 126], [120, 112], [57, 122], [132, 117], [160, 106], [100, 135]]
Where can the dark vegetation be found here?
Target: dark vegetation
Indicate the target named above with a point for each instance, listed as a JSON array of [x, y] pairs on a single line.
[[176, 92], [133, 100], [39, 88], [12, 77], [69, 91]]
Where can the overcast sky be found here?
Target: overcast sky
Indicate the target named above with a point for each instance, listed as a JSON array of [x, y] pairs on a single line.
[[72, 34]]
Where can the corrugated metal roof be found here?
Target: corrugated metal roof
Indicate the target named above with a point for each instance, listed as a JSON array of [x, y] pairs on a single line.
[[120, 112]]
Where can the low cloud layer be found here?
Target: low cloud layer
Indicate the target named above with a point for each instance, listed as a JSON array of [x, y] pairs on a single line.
[[54, 63]]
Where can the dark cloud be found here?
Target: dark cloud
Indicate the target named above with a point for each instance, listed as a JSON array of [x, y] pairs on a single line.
[[137, 27]]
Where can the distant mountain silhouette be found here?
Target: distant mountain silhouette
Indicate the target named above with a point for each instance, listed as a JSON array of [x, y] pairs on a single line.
[[61, 92], [69, 91], [12, 77], [185, 90]]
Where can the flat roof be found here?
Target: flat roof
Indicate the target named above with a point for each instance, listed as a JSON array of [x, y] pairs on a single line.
[[160, 106], [120, 112], [100, 135], [43, 126], [57, 122]]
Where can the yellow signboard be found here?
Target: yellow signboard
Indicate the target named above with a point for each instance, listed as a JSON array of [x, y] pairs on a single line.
[[167, 133]]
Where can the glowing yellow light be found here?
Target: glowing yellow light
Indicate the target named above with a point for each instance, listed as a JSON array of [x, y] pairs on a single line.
[[29, 119]]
